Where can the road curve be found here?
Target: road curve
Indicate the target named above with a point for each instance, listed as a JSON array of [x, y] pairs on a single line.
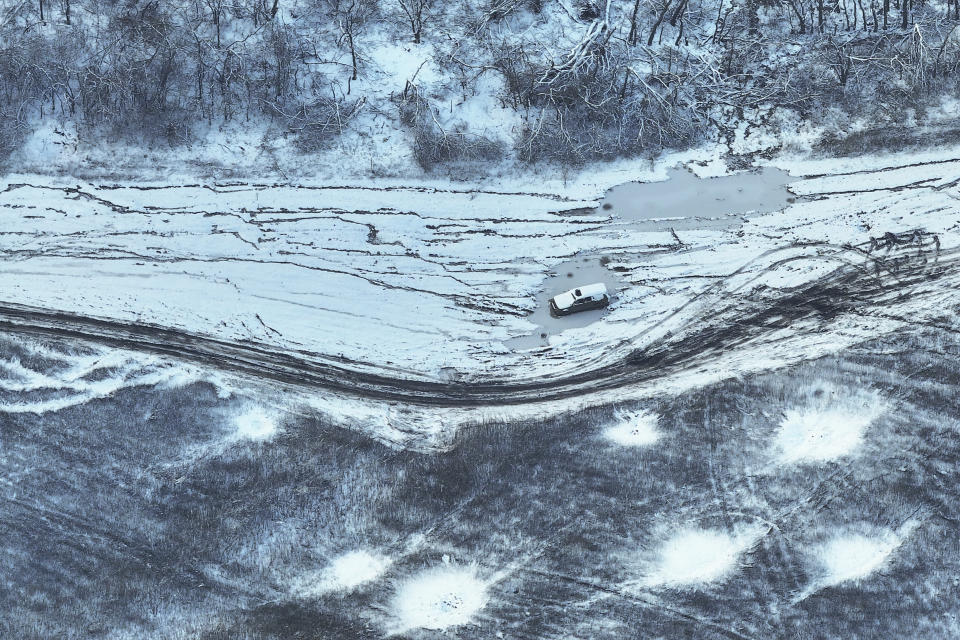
[[869, 277]]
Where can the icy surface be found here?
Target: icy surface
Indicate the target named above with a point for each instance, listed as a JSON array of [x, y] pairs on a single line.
[[441, 282], [443, 286], [561, 278], [685, 201]]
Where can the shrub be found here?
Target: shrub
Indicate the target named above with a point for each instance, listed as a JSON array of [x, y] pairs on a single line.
[[434, 146]]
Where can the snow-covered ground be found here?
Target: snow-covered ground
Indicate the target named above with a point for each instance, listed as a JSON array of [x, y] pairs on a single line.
[[429, 282], [763, 505]]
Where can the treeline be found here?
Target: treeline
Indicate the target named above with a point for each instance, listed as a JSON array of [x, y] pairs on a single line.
[[624, 77]]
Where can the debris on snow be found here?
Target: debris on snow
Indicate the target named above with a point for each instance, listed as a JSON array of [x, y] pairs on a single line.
[[830, 426], [633, 429], [439, 598]]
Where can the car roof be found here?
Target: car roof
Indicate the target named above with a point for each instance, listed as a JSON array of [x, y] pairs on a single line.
[[591, 290]]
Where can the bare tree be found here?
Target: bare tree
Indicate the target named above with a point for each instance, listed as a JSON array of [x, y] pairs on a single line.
[[350, 16], [417, 12], [661, 14], [216, 13]]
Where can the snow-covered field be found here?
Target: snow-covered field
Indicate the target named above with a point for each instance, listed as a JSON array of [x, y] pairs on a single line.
[[430, 283], [190, 376], [180, 506]]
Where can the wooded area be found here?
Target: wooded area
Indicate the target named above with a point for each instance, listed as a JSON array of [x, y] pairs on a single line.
[[589, 79]]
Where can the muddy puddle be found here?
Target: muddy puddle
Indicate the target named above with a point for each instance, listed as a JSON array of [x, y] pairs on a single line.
[[682, 202], [686, 202], [563, 277]]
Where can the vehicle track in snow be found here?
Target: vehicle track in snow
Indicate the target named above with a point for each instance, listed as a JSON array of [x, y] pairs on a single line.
[[867, 280]]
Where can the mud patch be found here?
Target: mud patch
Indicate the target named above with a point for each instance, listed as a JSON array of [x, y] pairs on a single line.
[[685, 202], [563, 277]]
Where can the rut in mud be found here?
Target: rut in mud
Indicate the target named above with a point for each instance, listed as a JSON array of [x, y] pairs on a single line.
[[870, 277]]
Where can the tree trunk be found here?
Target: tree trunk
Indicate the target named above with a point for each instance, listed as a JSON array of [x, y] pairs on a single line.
[[632, 38], [656, 25], [199, 76], [623, 88], [753, 17], [678, 13], [353, 55]]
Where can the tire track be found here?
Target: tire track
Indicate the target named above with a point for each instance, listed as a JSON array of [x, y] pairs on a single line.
[[733, 312]]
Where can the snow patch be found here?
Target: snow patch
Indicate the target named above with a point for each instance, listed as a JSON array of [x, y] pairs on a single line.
[[439, 598], [829, 427], [851, 556], [345, 573], [694, 556], [69, 378], [353, 569], [255, 424], [633, 429]]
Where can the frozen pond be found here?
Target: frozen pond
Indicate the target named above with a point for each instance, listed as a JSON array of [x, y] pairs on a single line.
[[684, 201], [563, 277]]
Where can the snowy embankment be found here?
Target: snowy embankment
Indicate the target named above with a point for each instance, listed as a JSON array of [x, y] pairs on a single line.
[[428, 283]]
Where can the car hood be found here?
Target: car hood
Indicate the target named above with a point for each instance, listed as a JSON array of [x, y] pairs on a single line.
[[564, 300]]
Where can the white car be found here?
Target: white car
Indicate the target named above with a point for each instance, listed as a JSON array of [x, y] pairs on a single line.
[[591, 296]]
